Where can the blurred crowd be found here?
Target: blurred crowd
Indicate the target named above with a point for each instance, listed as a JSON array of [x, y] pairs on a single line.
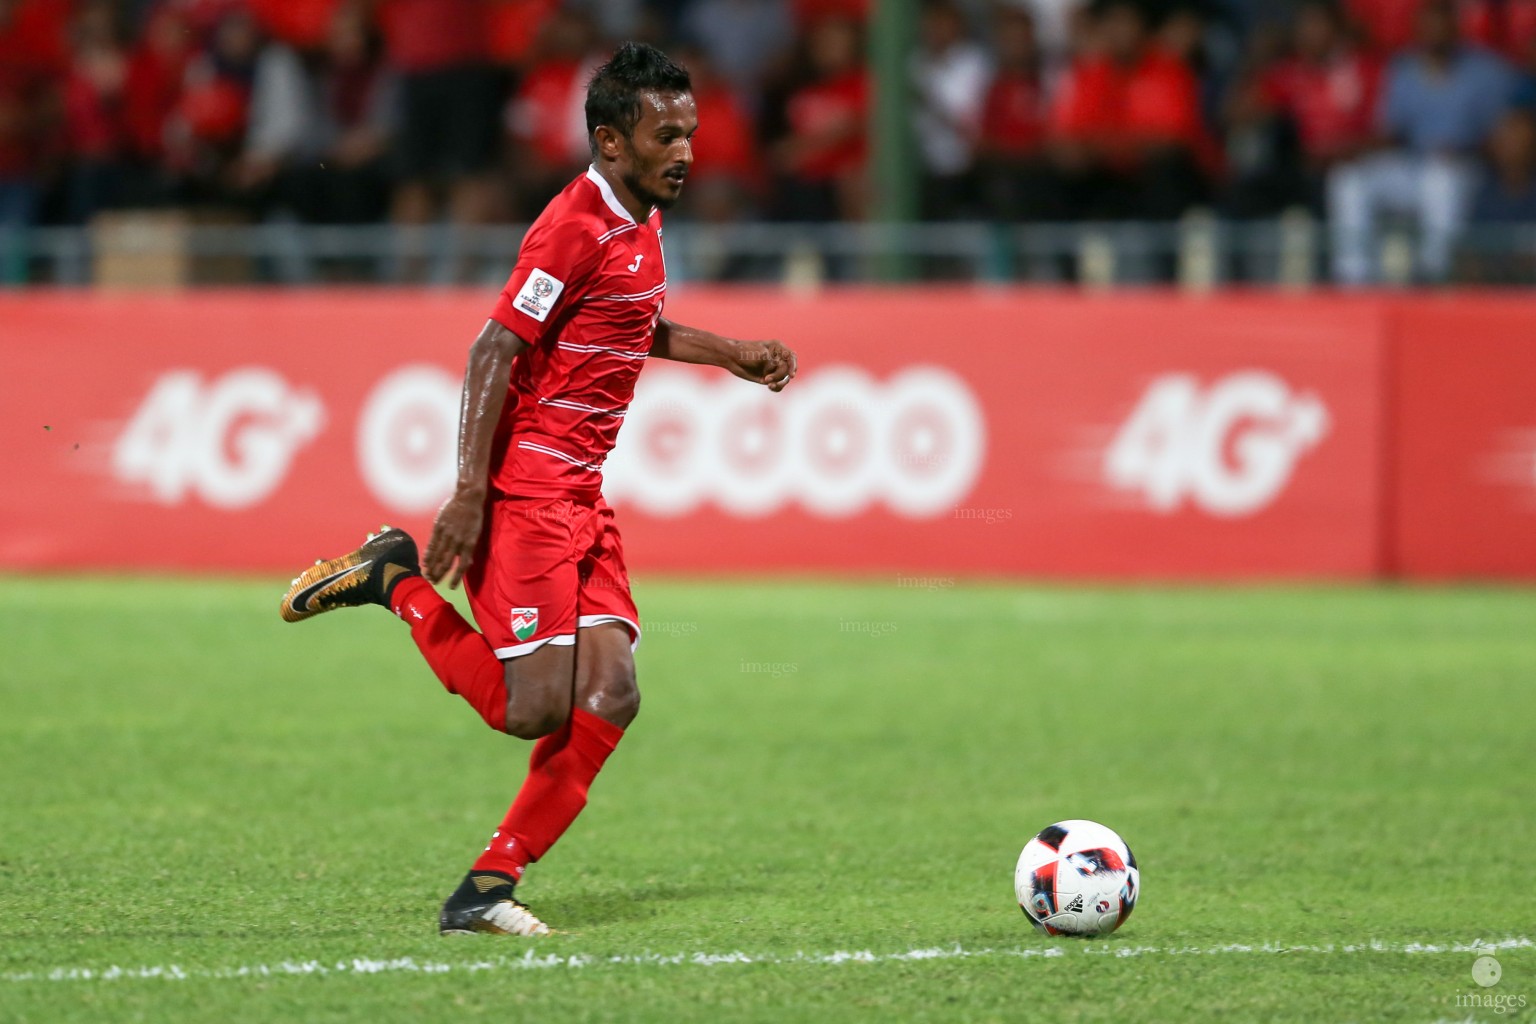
[[415, 111]]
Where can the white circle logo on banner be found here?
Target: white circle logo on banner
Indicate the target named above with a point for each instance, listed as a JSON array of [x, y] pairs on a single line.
[[407, 438]]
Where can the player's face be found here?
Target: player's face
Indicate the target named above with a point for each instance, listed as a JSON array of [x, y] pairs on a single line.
[[660, 149]]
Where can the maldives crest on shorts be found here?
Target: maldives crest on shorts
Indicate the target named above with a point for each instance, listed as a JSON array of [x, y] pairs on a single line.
[[525, 622], [539, 294]]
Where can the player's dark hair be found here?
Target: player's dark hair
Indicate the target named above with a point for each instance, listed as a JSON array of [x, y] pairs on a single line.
[[613, 95]]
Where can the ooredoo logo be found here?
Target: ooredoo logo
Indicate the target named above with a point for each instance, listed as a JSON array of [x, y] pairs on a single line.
[[836, 443], [1228, 448], [229, 440]]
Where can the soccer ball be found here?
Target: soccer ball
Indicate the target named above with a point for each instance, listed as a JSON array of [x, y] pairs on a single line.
[[1077, 878]]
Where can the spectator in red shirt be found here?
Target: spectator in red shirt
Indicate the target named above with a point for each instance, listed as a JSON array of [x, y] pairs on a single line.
[[305, 24], [1328, 89], [450, 100], [33, 59], [546, 116], [1013, 122], [208, 126], [725, 149], [1291, 123], [726, 184], [95, 130], [1127, 138], [810, 13], [1507, 27], [516, 27], [821, 150], [156, 71], [32, 33], [1388, 25]]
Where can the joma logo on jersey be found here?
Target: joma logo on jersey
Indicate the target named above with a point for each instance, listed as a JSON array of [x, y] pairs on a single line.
[[525, 622]]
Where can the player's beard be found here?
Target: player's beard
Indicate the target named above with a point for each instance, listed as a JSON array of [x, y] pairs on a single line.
[[635, 182], [638, 189]]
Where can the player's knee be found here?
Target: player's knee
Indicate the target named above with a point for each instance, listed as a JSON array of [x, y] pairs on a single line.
[[627, 705], [617, 699], [534, 723], [539, 692]]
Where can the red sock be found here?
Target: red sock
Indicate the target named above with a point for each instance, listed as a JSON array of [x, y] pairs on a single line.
[[463, 661], [560, 772]]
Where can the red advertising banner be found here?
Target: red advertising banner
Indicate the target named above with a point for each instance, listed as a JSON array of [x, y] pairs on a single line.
[[1464, 464], [932, 432]]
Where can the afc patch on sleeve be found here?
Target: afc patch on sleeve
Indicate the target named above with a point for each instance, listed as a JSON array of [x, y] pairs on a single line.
[[539, 294]]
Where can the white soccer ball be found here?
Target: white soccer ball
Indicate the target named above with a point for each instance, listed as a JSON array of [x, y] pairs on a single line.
[[1077, 878]]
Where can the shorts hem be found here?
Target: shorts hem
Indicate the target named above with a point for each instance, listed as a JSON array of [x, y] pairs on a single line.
[[598, 620], [518, 650]]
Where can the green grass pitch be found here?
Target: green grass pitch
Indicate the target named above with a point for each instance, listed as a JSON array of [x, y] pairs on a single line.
[[1329, 791]]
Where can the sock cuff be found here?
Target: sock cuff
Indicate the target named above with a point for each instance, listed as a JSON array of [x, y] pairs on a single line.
[[413, 597], [584, 721]]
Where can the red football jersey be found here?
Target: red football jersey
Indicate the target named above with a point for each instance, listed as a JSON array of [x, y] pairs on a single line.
[[1333, 105], [821, 107], [586, 296]]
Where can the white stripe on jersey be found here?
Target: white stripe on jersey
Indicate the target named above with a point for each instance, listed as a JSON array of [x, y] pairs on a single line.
[[559, 455], [563, 403], [615, 232], [622, 353], [637, 297]]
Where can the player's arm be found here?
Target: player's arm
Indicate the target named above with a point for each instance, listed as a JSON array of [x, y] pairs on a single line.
[[770, 363], [457, 529]]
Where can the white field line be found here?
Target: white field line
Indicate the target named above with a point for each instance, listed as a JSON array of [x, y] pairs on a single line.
[[532, 960]]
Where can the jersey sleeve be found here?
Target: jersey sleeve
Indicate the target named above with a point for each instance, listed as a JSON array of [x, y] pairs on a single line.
[[553, 268]]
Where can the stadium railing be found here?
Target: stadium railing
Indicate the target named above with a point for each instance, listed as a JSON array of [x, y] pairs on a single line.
[[1199, 253]]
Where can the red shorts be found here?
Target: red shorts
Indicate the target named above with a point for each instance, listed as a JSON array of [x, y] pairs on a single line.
[[544, 568]]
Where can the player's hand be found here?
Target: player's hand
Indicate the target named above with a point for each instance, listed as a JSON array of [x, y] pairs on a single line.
[[455, 533], [769, 363]]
